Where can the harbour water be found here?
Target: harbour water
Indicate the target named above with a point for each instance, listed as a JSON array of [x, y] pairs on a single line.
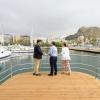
[[19, 62]]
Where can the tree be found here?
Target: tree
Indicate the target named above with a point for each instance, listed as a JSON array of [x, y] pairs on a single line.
[[58, 44], [93, 41]]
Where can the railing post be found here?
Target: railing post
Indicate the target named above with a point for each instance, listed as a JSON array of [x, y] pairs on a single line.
[[95, 72], [11, 70]]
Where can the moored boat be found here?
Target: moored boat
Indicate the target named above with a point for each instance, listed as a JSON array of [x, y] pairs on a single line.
[[4, 53]]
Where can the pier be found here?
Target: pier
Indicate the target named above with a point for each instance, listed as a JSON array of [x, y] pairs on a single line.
[[25, 86], [91, 50]]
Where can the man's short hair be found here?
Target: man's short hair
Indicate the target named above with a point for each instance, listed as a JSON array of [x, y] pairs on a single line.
[[53, 43], [39, 41], [65, 45]]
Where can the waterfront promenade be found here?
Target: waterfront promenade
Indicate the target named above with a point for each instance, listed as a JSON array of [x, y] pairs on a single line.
[[77, 86], [92, 50]]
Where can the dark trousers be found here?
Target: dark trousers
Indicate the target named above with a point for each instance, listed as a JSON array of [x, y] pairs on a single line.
[[53, 65]]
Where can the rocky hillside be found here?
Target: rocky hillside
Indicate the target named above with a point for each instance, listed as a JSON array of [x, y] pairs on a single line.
[[87, 32]]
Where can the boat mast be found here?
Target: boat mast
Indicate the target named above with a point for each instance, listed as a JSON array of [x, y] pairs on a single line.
[[2, 35], [31, 38]]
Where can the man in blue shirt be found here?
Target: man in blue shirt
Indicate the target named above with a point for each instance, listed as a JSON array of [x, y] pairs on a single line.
[[53, 59]]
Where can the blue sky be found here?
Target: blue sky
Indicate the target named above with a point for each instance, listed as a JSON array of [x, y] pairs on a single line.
[[63, 17]]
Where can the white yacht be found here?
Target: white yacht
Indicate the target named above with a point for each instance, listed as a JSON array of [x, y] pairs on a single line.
[[21, 49], [4, 53]]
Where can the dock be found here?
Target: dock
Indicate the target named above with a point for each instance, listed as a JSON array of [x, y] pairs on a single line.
[[25, 86], [91, 50]]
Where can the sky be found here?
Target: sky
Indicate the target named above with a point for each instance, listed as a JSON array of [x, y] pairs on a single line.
[[47, 18]]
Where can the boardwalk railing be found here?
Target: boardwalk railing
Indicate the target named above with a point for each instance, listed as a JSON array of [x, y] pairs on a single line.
[[81, 63]]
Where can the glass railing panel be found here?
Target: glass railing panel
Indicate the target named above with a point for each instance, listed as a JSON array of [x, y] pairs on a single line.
[[25, 63]]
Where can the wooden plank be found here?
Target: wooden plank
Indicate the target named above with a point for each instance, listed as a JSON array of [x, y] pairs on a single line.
[[77, 86]]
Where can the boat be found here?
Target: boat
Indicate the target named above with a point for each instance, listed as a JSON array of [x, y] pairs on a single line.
[[4, 53], [21, 49]]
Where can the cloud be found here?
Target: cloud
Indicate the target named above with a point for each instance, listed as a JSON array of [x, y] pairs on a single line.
[[47, 16]]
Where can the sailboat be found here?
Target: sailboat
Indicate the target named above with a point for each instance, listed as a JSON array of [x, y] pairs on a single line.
[[3, 52], [21, 49], [31, 41]]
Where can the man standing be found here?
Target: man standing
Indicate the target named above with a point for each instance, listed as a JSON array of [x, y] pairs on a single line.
[[53, 59], [37, 58]]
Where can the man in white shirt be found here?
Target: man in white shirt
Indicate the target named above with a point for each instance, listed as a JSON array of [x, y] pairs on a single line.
[[53, 59]]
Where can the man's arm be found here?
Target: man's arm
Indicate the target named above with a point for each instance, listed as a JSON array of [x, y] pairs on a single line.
[[40, 51]]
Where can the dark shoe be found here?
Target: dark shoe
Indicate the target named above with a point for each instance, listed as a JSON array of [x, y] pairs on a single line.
[[38, 74], [34, 74], [55, 73], [50, 74]]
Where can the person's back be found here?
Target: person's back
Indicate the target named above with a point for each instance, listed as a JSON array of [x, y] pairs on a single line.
[[53, 59], [53, 51]]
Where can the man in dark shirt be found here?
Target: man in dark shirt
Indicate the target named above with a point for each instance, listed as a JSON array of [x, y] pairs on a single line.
[[37, 57]]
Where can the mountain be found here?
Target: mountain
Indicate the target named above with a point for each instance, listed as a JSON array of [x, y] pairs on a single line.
[[88, 32]]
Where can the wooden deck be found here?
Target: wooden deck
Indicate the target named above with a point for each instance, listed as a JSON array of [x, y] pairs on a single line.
[[77, 86]]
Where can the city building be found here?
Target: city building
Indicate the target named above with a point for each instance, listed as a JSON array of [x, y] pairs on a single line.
[[6, 39], [16, 39]]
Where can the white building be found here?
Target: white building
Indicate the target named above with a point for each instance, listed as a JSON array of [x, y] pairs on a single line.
[[39, 38]]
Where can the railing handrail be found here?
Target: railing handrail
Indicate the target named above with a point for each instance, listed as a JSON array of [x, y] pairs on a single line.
[[42, 67], [46, 67], [48, 55], [31, 63]]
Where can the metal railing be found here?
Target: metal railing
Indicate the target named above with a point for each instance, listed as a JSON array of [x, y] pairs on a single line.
[[82, 63]]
